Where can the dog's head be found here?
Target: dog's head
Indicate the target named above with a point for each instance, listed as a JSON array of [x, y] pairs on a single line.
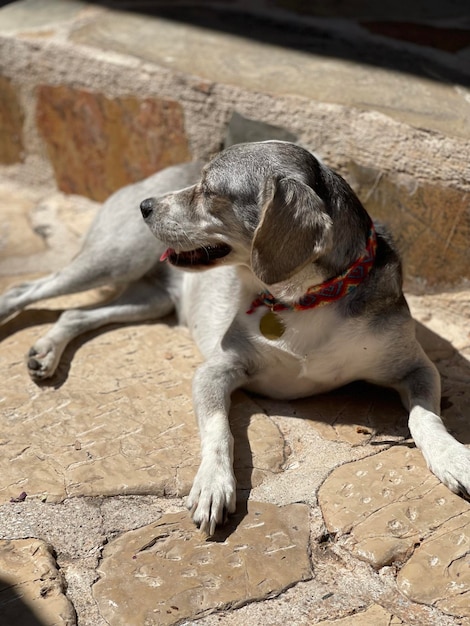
[[270, 206]]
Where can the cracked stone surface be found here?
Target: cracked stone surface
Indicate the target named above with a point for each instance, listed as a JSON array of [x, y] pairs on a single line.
[[389, 509], [387, 504], [438, 573], [261, 552], [31, 587], [113, 428]]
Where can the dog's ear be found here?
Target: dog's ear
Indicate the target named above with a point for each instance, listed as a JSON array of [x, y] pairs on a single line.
[[294, 229]]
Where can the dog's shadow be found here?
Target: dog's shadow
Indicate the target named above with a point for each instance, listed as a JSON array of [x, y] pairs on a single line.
[[365, 414]]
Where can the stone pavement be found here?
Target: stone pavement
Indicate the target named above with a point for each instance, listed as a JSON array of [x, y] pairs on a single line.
[[338, 518], [338, 521]]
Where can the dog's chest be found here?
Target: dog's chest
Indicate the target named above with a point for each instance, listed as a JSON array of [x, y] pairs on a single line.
[[317, 352]]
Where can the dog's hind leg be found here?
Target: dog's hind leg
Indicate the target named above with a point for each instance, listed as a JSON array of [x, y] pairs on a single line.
[[446, 457], [118, 249], [50, 286], [88, 270], [141, 301]]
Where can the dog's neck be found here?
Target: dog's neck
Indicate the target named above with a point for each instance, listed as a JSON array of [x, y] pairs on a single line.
[[288, 291], [310, 287], [291, 290]]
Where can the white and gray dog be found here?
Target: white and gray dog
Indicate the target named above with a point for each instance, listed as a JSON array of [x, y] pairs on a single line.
[[302, 295]]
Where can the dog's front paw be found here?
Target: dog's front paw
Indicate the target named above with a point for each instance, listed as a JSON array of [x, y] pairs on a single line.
[[43, 359], [452, 467], [212, 497]]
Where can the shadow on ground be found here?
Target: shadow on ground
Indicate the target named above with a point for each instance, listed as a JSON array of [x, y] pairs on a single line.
[[13, 610], [348, 39]]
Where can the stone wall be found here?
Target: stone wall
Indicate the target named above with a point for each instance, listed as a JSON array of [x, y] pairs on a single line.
[[92, 99]]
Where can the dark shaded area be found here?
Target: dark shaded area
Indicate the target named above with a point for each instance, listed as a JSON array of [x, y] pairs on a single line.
[[288, 24], [13, 610]]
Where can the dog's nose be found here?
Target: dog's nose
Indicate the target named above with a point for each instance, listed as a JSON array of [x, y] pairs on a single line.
[[146, 207]]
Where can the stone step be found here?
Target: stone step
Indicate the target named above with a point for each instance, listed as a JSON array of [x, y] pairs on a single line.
[[95, 97]]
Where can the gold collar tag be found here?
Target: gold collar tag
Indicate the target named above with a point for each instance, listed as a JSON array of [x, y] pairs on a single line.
[[271, 326]]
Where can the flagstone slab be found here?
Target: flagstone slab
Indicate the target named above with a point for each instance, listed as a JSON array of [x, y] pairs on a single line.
[[424, 217], [387, 504], [389, 509], [166, 572], [118, 417], [31, 587], [438, 572]]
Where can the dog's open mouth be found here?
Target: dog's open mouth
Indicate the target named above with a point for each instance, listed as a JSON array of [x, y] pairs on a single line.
[[201, 256]]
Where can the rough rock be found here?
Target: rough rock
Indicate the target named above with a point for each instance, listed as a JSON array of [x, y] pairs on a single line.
[[438, 572], [165, 572], [41, 231], [387, 504], [16, 233], [31, 587], [422, 217], [97, 144], [375, 615]]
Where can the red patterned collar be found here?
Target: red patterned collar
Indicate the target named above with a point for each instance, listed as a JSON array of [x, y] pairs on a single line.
[[329, 291]]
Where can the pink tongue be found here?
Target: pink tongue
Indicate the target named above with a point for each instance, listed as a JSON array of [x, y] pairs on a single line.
[[166, 254]]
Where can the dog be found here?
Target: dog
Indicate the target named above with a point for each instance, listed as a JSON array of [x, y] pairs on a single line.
[[288, 288]]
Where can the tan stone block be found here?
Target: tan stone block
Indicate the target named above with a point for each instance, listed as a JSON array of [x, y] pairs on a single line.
[[97, 144], [387, 504], [32, 589], [166, 572], [438, 573], [430, 223], [11, 124]]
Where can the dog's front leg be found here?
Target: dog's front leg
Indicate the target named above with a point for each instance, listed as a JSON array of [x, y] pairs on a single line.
[[446, 457], [213, 494]]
